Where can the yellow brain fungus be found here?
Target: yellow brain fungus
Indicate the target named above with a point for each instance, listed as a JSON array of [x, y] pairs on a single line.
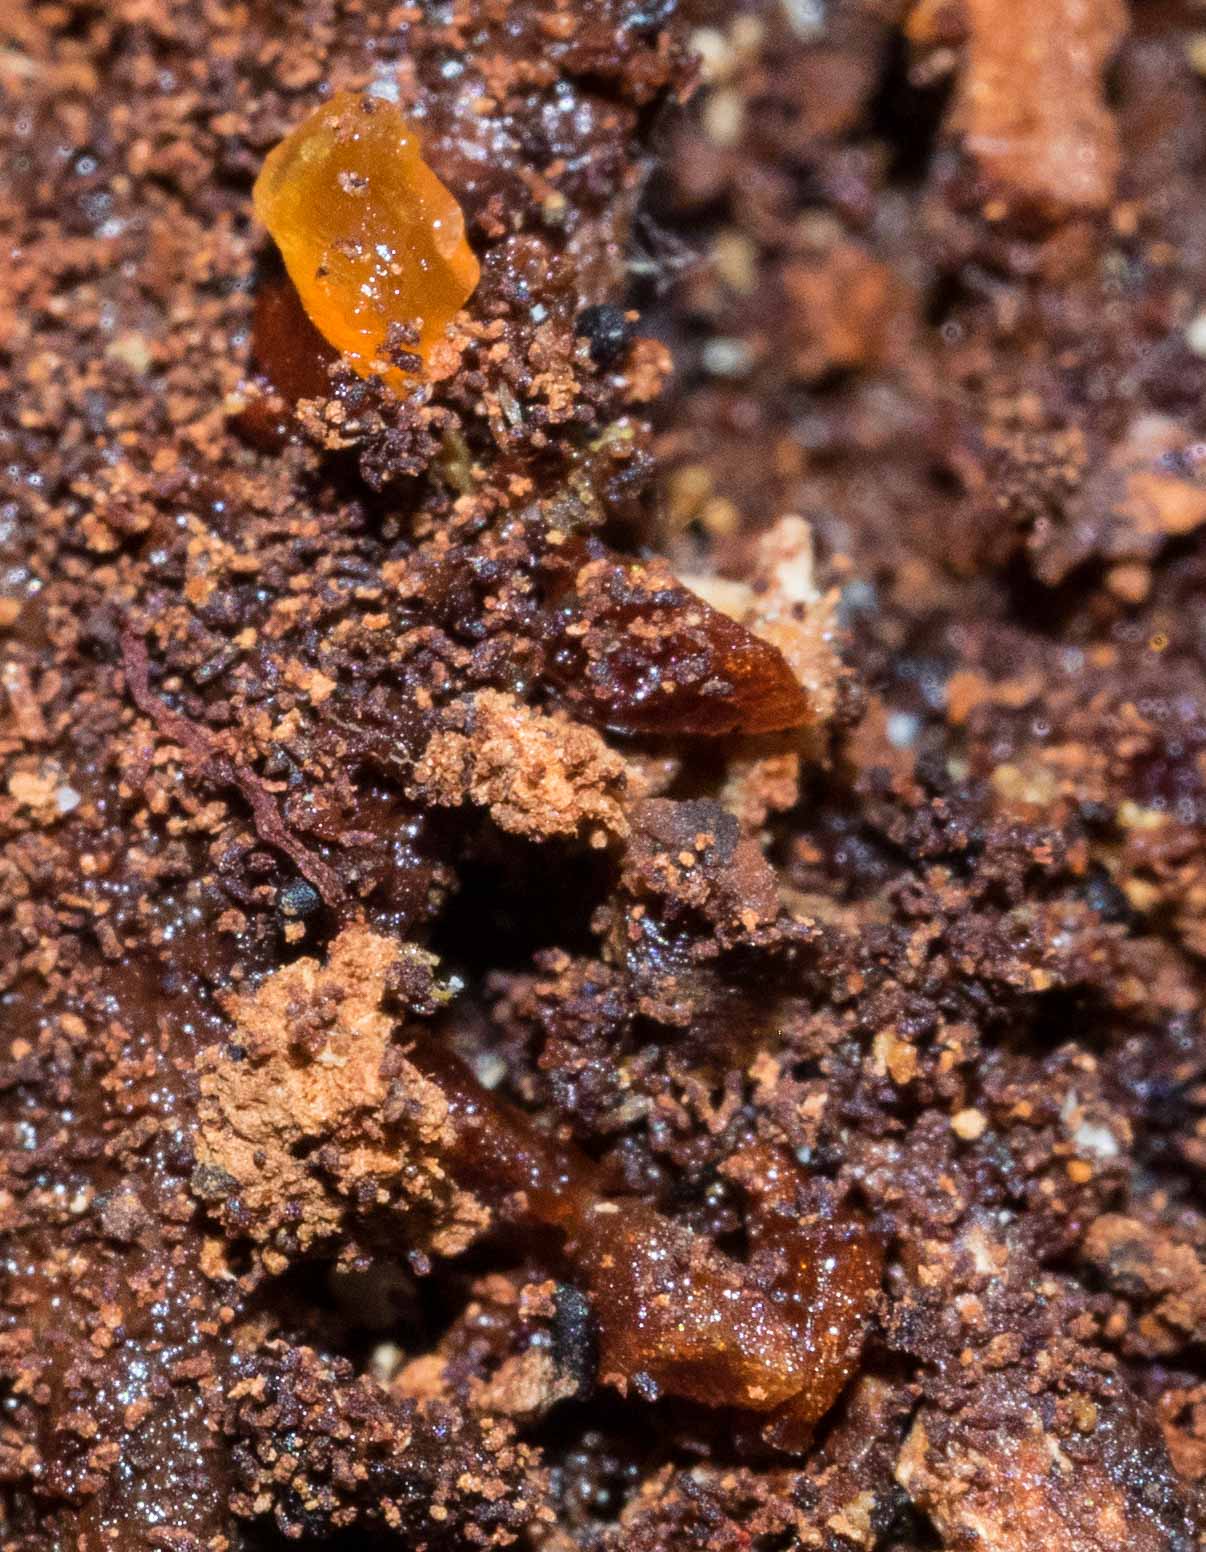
[[370, 236]]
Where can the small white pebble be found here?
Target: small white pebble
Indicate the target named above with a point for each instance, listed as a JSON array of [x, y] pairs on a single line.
[[488, 1068], [132, 349], [714, 52], [807, 17], [385, 1361], [724, 117], [902, 729], [726, 358], [1094, 1138], [66, 799], [1195, 335]]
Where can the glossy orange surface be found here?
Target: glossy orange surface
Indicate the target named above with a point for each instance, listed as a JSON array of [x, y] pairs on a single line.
[[373, 241]]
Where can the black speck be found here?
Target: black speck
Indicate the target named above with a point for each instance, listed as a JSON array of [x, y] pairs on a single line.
[[607, 330], [1103, 895], [298, 899], [573, 1332]]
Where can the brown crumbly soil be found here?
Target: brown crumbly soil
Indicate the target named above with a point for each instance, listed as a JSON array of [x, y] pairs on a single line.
[[745, 709], [315, 1066], [538, 775]]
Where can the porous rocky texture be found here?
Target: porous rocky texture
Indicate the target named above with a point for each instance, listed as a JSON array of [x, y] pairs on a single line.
[[311, 1111], [331, 745]]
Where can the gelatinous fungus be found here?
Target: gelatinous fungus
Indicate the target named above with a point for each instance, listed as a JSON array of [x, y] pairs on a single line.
[[372, 240], [674, 1315], [637, 652]]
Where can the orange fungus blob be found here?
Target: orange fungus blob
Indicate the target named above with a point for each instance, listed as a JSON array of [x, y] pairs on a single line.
[[373, 241]]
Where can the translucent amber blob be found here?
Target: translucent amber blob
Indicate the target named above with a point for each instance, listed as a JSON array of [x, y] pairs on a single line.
[[373, 241], [285, 344], [671, 1312], [637, 652]]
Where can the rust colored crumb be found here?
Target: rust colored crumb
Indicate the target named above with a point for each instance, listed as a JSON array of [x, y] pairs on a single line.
[[1161, 1271], [1031, 101], [539, 776], [315, 1108]]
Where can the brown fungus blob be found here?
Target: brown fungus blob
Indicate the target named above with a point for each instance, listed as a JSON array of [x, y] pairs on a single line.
[[674, 1315], [637, 652]]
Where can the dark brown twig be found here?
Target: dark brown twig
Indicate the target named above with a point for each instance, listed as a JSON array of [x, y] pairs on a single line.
[[213, 762]]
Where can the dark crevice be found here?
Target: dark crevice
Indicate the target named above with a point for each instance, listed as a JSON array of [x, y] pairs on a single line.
[[908, 117]]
